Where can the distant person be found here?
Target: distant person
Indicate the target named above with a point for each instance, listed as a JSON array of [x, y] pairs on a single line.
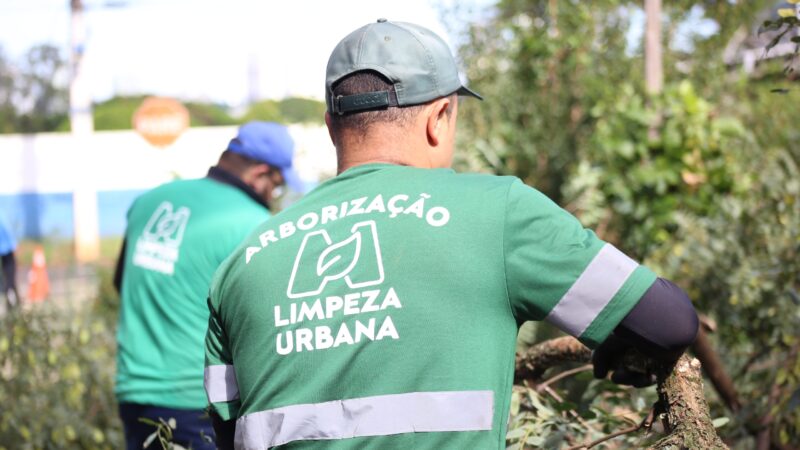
[[8, 260], [177, 235], [381, 310]]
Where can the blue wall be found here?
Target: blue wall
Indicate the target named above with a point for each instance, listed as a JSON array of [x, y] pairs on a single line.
[[34, 216]]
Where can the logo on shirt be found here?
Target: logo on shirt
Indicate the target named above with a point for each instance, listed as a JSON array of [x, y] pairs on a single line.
[[158, 247], [356, 259]]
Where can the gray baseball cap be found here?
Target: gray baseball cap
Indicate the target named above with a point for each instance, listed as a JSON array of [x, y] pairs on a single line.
[[417, 62]]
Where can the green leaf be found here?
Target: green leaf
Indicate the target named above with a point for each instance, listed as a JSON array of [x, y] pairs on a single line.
[[515, 400], [516, 433], [554, 440], [565, 406], [585, 376], [536, 441], [720, 422], [150, 439]]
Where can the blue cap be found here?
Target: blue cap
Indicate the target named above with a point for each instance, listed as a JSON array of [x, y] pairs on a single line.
[[269, 143]]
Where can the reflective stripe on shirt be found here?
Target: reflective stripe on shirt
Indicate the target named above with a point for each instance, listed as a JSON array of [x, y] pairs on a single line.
[[220, 383], [592, 291], [380, 415]]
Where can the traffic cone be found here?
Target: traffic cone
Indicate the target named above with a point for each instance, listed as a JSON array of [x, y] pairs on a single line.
[[38, 281]]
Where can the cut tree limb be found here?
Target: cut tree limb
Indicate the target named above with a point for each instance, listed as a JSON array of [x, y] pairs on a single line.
[[533, 362], [687, 418]]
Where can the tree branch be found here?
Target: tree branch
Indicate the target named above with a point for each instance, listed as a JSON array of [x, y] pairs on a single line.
[[687, 418], [645, 423], [565, 374], [715, 370], [533, 363]]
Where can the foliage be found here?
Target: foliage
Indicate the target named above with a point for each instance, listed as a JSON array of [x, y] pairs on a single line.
[[33, 95], [701, 181], [543, 417], [265, 110], [741, 263], [207, 114], [163, 432], [633, 178], [115, 113], [538, 66], [56, 378], [106, 306], [288, 110], [7, 81], [302, 110], [34, 98]]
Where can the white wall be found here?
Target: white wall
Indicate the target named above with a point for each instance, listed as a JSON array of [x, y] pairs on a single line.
[[39, 173], [123, 160]]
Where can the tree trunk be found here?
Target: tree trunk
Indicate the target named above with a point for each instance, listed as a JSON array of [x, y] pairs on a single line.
[[687, 418], [653, 66]]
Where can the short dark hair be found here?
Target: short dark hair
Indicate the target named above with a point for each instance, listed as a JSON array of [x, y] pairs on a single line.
[[360, 122], [237, 163]]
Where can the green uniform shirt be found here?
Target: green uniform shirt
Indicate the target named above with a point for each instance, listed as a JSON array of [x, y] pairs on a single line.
[[177, 236], [381, 311]]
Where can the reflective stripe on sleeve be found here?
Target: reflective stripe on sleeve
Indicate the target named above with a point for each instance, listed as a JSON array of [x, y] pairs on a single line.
[[381, 415], [220, 383], [592, 291]]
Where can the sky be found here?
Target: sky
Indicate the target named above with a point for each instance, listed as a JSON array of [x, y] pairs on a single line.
[[220, 51]]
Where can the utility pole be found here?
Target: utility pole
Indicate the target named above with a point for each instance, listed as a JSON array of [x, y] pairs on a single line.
[[653, 66], [253, 91], [84, 196]]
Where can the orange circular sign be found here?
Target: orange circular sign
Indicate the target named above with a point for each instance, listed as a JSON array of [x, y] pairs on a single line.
[[161, 120]]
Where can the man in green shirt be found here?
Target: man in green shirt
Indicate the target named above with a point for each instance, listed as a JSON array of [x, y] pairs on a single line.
[[176, 237], [381, 310]]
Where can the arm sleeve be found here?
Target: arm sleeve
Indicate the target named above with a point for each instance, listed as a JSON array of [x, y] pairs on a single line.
[[558, 271], [220, 383], [119, 270], [120, 267], [663, 324], [225, 431]]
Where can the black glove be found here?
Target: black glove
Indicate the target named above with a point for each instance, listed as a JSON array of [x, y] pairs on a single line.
[[611, 356]]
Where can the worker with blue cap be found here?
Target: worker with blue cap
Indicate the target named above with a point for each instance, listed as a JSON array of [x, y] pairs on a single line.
[[177, 234]]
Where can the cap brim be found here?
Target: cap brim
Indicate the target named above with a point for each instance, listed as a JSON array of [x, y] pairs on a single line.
[[468, 92], [293, 180]]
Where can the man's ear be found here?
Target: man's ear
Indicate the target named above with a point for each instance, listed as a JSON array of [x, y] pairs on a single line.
[[438, 120]]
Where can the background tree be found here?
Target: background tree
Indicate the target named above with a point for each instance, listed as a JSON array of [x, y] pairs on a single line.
[[287, 110], [33, 95], [710, 200], [8, 113]]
